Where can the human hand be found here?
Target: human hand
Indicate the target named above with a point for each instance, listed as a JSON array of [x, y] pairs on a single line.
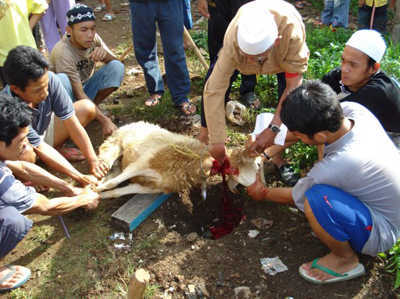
[[217, 151], [257, 191], [202, 6], [99, 168], [73, 191], [92, 199], [264, 139], [98, 54]]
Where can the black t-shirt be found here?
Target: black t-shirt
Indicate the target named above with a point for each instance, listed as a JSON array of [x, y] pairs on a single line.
[[380, 95]]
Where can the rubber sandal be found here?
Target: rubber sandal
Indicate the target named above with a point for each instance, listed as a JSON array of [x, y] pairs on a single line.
[[99, 8], [151, 102], [288, 175], [250, 100], [24, 278], [187, 109], [354, 273], [299, 4], [108, 17], [72, 154]]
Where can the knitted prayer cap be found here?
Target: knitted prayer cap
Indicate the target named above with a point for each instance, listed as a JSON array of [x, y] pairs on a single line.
[[80, 13], [368, 41], [257, 29]]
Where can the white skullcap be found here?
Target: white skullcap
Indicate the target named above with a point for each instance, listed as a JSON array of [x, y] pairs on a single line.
[[368, 41], [257, 30]]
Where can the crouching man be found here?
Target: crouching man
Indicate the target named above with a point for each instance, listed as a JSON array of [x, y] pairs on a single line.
[[351, 197], [15, 198], [76, 55]]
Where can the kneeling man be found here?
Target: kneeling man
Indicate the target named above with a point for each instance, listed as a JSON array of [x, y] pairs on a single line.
[[351, 197], [16, 199]]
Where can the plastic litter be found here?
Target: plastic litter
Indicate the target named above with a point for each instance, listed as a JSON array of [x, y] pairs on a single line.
[[117, 236], [253, 233], [273, 265], [122, 246]]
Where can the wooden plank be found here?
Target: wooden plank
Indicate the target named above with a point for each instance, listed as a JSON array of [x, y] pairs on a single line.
[[130, 215]]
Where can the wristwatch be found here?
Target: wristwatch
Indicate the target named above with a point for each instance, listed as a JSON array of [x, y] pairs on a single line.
[[274, 128]]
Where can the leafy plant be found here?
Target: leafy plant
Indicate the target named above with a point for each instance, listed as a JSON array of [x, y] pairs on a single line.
[[393, 262]]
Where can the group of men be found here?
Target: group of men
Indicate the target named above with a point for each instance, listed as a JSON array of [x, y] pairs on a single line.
[[351, 197]]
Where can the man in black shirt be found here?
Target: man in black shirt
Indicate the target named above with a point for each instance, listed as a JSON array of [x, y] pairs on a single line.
[[359, 79]]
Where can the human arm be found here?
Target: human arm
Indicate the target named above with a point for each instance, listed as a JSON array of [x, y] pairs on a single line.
[[266, 137], [37, 175], [258, 191], [51, 157], [78, 134], [88, 199], [34, 19], [202, 6], [101, 52], [214, 101]]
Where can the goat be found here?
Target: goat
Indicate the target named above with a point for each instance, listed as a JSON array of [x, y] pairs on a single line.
[[157, 160]]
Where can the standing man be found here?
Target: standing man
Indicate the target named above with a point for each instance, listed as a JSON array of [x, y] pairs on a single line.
[[360, 80], [76, 56], [28, 79], [265, 37], [220, 13], [351, 198], [17, 199], [17, 19], [169, 15]]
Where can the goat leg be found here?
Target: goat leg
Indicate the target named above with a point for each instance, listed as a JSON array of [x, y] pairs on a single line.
[[128, 189]]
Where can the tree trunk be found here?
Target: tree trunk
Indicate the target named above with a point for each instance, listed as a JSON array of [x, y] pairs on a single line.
[[396, 27]]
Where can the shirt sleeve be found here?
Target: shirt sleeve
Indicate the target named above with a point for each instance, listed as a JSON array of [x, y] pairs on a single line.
[[14, 193], [33, 137], [293, 50], [61, 101], [333, 79], [37, 6], [214, 94]]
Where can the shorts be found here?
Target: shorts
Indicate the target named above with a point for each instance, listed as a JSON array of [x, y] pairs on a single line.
[[343, 216]]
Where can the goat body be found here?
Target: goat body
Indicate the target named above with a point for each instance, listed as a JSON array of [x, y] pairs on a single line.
[[157, 160]]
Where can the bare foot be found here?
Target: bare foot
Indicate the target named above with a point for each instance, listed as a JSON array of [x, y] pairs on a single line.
[[20, 274], [333, 262], [203, 135]]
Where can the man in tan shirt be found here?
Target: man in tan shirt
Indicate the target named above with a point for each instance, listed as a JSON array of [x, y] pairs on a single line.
[[265, 37]]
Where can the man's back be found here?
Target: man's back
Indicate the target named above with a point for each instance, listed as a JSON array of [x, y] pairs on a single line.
[[366, 164]]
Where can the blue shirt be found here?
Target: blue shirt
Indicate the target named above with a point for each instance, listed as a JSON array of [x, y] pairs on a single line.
[[13, 192], [58, 101]]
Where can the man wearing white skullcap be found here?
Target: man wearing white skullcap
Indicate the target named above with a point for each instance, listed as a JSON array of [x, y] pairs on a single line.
[[359, 79], [265, 37]]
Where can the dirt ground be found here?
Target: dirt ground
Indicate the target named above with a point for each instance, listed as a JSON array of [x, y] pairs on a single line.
[[88, 266]]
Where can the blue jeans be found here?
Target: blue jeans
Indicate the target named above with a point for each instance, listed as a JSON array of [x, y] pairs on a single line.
[[13, 228], [110, 75], [380, 18], [169, 17], [336, 12]]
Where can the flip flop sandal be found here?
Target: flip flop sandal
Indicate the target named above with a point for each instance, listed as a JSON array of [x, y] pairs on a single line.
[[99, 8], [187, 109], [151, 102], [72, 154], [299, 4], [108, 17], [24, 278]]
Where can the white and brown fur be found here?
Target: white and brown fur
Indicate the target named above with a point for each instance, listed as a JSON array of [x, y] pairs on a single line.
[[157, 160]]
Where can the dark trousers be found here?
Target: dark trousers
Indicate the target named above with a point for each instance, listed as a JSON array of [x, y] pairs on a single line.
[[380, 18], [13, 228]]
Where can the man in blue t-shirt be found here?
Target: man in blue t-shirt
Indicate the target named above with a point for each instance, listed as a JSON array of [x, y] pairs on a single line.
[[28, 79], [17, 199]]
